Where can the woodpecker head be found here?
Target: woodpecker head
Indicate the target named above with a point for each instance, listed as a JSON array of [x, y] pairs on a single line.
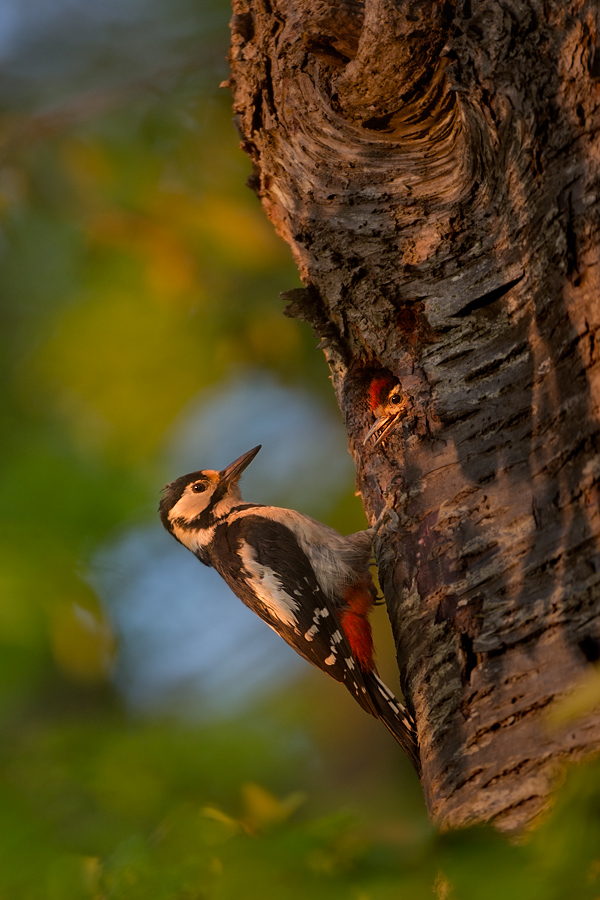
[[388, 405], [195, 502]]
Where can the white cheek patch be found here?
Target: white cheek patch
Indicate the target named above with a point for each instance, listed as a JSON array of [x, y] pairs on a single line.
[[268, 588], [190, 505]]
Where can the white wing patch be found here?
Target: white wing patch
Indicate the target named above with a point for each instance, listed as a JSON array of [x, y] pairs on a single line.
[[335, 558], [268, 588]]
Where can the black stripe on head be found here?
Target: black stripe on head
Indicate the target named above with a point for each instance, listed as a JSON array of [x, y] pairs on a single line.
[[171, 494], [207, 517], [220, 491]]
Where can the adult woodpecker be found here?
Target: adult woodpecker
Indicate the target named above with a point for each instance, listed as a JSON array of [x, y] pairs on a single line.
[[388, 405], [310, 584]]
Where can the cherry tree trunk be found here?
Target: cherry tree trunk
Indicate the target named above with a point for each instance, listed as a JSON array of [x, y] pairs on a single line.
[[435, 168]]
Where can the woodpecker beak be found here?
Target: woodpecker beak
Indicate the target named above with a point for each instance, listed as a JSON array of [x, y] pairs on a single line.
[[383, 424], [235, 469]]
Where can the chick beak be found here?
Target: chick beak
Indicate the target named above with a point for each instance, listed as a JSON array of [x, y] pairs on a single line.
[[383, 424], [235, 469]]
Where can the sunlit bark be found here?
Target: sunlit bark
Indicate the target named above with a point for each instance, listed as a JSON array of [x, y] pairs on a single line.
[[435, 169]]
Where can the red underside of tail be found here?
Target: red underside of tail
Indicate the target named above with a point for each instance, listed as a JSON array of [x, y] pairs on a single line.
[[356, 626]]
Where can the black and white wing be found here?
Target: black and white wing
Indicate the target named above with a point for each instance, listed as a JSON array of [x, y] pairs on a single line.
[[265, 566]]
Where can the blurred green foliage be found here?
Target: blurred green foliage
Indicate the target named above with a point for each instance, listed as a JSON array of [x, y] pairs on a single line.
[[135, 269]]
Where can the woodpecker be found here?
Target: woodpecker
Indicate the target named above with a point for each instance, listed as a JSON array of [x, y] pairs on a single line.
[[388, 404], [307, 582]]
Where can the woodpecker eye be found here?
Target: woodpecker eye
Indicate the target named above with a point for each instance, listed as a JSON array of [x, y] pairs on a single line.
[[199, 487], [395, 399]]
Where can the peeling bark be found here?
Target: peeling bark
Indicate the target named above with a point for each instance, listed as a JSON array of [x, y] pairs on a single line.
[[435, 168]]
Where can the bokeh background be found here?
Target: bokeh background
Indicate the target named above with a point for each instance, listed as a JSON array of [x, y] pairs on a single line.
[[158, 741]]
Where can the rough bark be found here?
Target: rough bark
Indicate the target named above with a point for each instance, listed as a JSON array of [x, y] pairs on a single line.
[[435, 169]]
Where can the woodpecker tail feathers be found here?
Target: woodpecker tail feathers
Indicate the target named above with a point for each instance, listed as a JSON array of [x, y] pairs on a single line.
[[395, 717]]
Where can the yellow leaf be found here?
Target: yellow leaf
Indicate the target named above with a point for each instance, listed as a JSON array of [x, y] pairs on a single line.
[[262, 809]]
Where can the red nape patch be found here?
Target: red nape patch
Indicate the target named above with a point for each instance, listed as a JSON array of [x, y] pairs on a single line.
[[379, 389], [357, 629]]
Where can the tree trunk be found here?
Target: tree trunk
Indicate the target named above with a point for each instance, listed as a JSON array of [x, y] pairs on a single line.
[[435, 170]]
